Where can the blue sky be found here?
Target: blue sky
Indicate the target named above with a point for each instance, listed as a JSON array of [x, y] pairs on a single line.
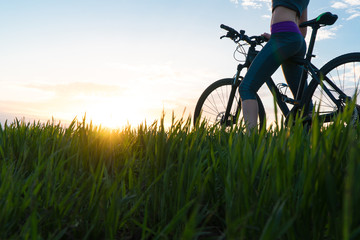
[[126, 60]]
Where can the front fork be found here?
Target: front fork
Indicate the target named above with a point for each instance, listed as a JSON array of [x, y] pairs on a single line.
[[227, 118]]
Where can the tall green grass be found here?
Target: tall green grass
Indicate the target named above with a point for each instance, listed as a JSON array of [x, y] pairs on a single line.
[[86, 182]]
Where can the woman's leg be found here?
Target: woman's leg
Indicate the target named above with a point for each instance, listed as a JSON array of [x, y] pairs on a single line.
[[250, 112], [280, 47], [293, 72]]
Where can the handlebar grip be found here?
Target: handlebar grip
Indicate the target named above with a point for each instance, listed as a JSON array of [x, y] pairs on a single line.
[[227, 28]]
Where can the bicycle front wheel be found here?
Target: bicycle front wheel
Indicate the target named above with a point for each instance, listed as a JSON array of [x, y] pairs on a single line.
[[212, 104], [341, 76]]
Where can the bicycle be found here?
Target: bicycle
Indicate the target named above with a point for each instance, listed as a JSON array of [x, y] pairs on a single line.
[[328, 92]]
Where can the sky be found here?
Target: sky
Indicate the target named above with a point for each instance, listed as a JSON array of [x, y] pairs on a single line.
[[126, 61]]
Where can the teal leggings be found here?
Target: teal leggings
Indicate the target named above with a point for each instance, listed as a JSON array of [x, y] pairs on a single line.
[[280, 50]]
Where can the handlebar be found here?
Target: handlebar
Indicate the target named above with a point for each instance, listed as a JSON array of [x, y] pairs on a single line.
[[240, 36], [227, 28]]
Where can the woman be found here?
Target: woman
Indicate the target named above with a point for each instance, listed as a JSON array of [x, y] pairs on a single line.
[[286, 42]]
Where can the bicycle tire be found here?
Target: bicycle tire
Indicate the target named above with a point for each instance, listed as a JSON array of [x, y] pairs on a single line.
[[212, 104], [344, 72]]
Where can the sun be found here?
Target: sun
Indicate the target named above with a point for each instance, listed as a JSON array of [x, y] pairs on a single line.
[[115, 112]]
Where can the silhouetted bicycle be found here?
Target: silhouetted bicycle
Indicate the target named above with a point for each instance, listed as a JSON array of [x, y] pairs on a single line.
[[330, 89]]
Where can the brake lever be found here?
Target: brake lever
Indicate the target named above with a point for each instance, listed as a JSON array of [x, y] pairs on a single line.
[[259, 39], [230, 35]]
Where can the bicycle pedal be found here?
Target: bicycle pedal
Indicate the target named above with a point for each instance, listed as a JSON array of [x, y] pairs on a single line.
[[286, 99]]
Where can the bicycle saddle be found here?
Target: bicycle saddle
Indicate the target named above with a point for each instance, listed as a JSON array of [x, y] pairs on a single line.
[[323, 19]]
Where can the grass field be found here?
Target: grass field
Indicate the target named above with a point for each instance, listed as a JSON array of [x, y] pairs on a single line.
[[148, 182]]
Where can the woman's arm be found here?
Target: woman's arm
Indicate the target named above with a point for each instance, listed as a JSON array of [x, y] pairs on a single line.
[[302, 19]]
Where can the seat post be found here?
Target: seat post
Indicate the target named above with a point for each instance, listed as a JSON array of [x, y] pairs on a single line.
[[312, 42], [308, 57]]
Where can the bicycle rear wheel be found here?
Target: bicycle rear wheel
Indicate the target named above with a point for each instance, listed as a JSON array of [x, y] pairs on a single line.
[[212, 104], [342, 77]]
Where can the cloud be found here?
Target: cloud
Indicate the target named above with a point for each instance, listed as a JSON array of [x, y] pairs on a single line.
[[353, 2], [67, 100], [327, 33], [252, 3], [355, 15], [351, 7], [77, 88], [339, 5], [37, 98]]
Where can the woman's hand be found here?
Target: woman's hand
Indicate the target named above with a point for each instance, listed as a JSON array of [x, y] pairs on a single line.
[[266, 35]]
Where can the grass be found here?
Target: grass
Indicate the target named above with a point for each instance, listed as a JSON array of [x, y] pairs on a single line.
[[86, 182]]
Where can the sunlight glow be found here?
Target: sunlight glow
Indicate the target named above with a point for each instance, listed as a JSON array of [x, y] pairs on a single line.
[[114, 112]]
